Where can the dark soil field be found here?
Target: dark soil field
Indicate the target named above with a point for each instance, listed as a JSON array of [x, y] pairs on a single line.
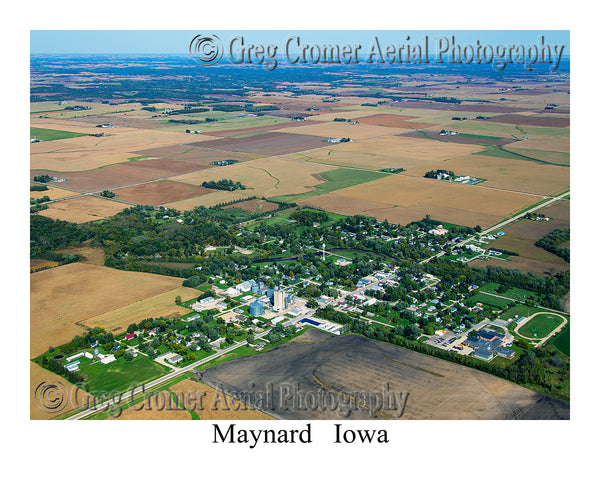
[[203, 156], [533, 120], [475, 140], [265, 128], [311, 375], [271, 143], [398, 121], [161, 192], [123, 174]]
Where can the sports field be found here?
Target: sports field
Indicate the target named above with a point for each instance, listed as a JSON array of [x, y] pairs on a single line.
[[540, 325]]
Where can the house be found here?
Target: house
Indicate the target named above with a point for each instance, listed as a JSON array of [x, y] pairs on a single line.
[[175, 359], [260, 346], [130, 336]]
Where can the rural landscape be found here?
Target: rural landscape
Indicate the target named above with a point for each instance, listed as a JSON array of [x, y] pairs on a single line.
[[242, 237]]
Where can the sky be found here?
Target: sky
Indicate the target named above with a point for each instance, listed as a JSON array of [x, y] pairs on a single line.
[[178, 41]]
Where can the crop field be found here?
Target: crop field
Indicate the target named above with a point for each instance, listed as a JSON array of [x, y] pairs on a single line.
[[198, 155], [125, 174], [403, 199], [63, 296], [396, 121], [318, 362], [489, 300], [526, 265], [464, 138], [160, 192], [454, 108], [386, 152], [562, 341], [160, 305], [54, 193], [345, 129], [271, 143], [35, 265], [335, 180], [539, 145], [84, 153], [82, 209], [280, 125], [505, 173], [533, 120], [539, 157], [48, 135], [488, 127]]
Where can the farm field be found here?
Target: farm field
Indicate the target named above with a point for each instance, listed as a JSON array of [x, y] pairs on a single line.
[[438, 389], [408, 199], [54, 193], [386, 152], [35, 265], [198, 155], [270, 143], [504, 173], [63, 296], [256, 205], [82, 209], [345, 129], [462, 138], [160, 192], [539, 157], [396, 121], [160, 305], [48, 135]]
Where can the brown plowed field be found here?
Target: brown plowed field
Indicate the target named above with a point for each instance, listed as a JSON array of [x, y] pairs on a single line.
[[271, 143], [124, 174], [197, 155], [318, 365], [158, 193], [390, 120], [533, 120]]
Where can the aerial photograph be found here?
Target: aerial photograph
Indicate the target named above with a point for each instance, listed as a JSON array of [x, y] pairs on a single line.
[[299, 225]]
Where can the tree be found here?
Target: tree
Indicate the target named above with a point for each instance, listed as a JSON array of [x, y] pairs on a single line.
[[128, 355], [131, 328], [178, 300]]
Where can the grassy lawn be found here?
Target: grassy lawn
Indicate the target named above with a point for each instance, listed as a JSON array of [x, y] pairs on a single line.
[[46, 134], [336, 180], [562, 341], [482, 297], [119, 375], [540, 326]]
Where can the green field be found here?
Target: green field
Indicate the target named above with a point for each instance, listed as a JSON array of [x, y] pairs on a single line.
[[515, 293], [482, 297], [119, 375], [483, 137], [335, 180], [46, 134], [538, 156], [522, 311], [562, 341], [540, 326]]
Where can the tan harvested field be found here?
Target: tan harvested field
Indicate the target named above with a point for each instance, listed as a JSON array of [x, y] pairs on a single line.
[[561, 147], [424, 387], [126, 174], [66, 395], [62, 296], [533, 120], [263, 177], [82, 209], [159, 193], [265, 128], [523, 264], [345, 129], [403, 199], [54, 193], [160, 305], [256, 205], [386, 152], [85, 153], [397, 121], [505, 173]]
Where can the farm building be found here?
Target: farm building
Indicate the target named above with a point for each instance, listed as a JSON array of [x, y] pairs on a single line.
[[175, 359], [256, 309], [108, 359]]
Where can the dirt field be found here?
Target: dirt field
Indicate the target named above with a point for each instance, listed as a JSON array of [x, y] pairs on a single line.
[[62, 296], [320, 365], [505, 173], [271, 143], [160, 192], [402, 199], [256, 205], [161, 305], [82, 209], [125, 174], [536, 121]]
